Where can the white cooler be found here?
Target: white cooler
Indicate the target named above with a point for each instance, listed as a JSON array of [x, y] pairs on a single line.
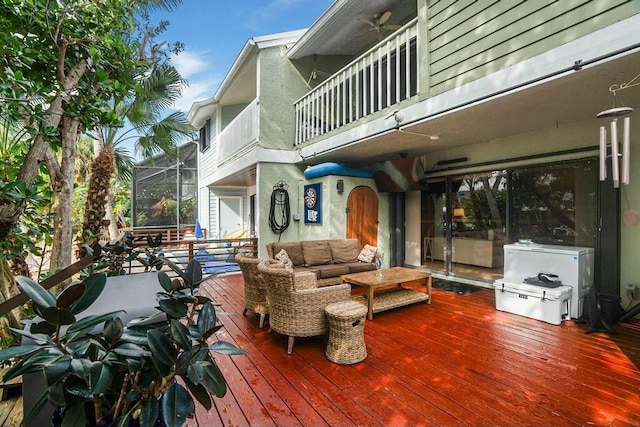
[[552, 305]]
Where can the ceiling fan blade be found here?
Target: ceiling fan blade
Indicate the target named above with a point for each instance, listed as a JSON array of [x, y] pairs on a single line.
[[392, 27], [365, 21], [363, 32], [385, 17], [380, 36]]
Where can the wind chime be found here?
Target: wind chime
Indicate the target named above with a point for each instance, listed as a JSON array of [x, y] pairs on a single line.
[[620, 173]]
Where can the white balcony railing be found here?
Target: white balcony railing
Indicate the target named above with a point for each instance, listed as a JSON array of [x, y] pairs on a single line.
[[242, 131], [383, 76]]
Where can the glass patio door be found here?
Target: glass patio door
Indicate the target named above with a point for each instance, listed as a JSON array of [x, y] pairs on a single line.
[[478, 224]]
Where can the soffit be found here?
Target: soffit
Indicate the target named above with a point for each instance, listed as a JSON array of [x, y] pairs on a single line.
[[334, 33]]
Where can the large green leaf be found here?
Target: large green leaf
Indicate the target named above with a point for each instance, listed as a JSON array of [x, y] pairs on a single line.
[[149, 412], [70, 295], [58, 316], [113, 329], [37, 293], [227, 348], [86, 325], [43, 328], [177, 405], [37, 337], [206, 319], [180, 335], [164, 353], [173, 308], [131, 350], [193, 273], [94, 285], [200, 393], [17, 351], [74, 415], [165, 281], [211, 378], [55, 371], [175, 267], [100, 376]]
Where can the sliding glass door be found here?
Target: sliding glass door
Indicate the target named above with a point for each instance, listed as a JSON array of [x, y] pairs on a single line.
[[467, 219]]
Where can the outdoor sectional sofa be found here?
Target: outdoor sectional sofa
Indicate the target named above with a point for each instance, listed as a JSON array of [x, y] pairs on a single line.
[[328, 259]]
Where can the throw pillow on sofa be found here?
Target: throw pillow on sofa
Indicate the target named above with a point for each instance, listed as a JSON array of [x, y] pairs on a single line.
[[293, 249], [367, 254], [283, 257]]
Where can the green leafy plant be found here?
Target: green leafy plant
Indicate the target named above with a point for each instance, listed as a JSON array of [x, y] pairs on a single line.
[[99, 371]]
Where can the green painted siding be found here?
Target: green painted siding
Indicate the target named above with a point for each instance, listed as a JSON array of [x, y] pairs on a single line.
[[472, 39]]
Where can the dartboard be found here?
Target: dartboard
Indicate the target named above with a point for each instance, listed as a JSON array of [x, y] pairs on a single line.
[[310, 197]]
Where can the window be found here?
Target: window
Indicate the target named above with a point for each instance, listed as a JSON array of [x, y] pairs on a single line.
[[555, 204], [205, 136]]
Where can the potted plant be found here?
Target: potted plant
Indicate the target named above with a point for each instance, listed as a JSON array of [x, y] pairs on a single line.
[[120, 373]]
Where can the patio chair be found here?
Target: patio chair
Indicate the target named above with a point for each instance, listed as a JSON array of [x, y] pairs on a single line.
[[255, 292], [296, 305]]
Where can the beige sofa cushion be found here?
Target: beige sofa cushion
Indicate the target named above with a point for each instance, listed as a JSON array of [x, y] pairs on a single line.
[[316, 252], [293, 250], [344, 250]]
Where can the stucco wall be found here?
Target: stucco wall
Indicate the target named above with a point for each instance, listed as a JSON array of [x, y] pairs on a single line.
[[333, 206]]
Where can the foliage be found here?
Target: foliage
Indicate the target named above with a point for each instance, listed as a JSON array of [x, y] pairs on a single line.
[[97, 365]]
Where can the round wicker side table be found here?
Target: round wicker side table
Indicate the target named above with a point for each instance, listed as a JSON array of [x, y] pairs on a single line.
[[346, 332]]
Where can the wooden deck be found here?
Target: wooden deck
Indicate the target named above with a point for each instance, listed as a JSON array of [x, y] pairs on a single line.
[[455, 362]]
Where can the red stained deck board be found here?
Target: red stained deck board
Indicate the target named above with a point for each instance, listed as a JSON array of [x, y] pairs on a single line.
[[457, 361]]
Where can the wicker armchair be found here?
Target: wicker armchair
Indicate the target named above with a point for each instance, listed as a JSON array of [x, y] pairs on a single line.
[[255, 292], [296, 305]]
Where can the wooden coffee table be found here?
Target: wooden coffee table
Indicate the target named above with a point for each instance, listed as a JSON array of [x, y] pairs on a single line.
[[395, 295]]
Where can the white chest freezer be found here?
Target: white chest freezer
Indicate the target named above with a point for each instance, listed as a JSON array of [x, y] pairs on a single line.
[[551, 305], [572, 264]]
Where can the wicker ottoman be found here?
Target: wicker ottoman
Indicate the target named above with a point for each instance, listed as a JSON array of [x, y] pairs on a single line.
[[346, 332]]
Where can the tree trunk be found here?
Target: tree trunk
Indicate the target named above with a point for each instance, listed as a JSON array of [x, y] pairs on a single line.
[[9, 215], [62, 247], [8, 289], [102, 169], [114, 231]]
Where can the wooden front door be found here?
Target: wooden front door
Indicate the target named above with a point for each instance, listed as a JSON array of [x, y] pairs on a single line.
[[362, 216]]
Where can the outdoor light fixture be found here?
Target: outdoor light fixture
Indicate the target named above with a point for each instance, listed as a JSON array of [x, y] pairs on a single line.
[[619, 174], [340, 186]]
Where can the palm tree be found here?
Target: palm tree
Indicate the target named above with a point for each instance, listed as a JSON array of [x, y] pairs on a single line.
[[153, 133]]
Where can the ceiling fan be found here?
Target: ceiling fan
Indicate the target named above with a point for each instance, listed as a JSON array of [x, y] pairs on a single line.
[[378, 24]]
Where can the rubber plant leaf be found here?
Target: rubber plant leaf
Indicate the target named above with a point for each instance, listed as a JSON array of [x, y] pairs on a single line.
[[131, 350], [17, 351], [206, 319], [177, 405], [173, 308], [70, 295], [212, 380], [227, 348], [94, 285], [149, 412], [74, 416], [164, 353], [100, 376], [55, 371], [37, 337], [193, 273], [84, 326], [58, 316], [180, 335], [200, 393], [165, 281], [39, 295]]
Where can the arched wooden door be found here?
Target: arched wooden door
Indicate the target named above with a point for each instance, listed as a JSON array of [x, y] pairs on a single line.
[[362, 216]]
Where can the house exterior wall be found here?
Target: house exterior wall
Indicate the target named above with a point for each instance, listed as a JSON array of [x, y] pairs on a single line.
[[469, 40], [279, 85]]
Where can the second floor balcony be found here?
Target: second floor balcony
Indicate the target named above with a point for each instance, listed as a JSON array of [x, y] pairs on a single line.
[[383, 76]]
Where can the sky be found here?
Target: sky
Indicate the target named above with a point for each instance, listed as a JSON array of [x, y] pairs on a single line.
[[215, 31]]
